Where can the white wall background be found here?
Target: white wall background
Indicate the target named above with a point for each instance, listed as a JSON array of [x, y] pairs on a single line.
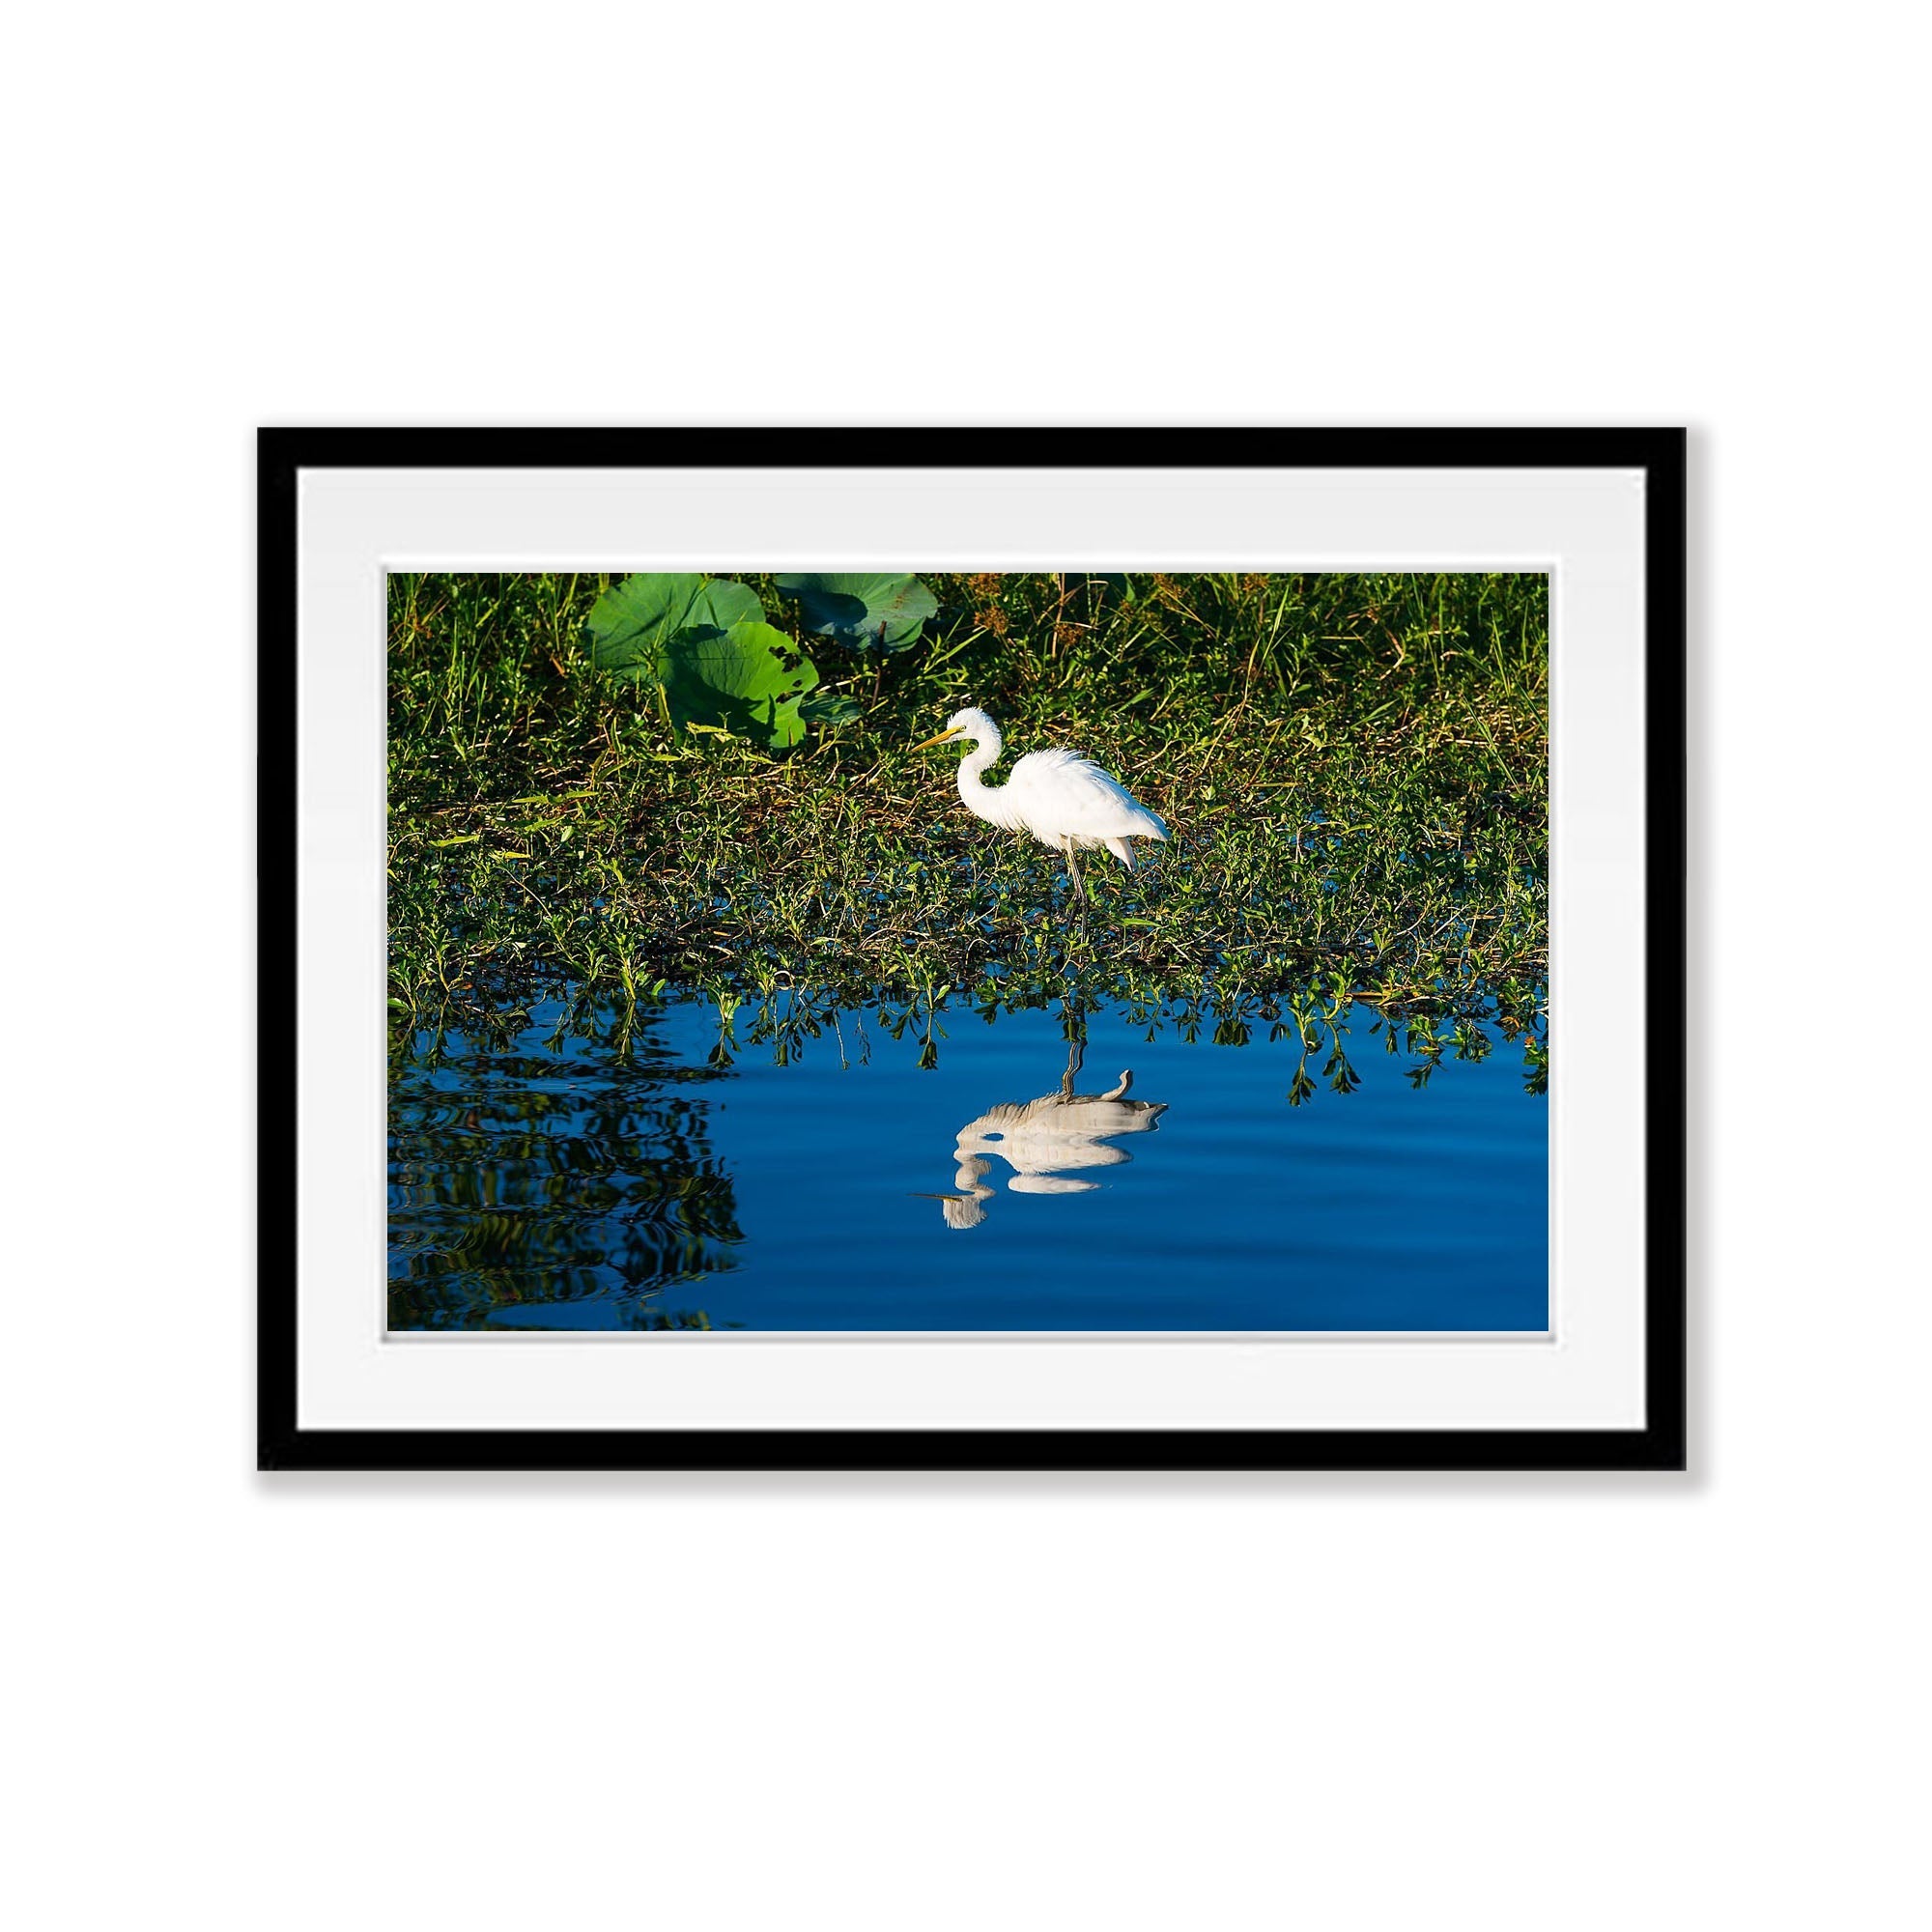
[[893, 1703]]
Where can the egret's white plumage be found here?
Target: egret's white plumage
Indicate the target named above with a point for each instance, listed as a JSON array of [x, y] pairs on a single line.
[[1059, 797]]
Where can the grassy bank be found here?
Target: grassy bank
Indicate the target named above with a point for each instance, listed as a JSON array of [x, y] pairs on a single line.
[[1354, 769]]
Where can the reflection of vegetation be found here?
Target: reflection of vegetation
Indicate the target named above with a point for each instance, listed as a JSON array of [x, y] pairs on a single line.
[[1324, 1024], [1354, 767], [1321, 1022], [568, 1170]]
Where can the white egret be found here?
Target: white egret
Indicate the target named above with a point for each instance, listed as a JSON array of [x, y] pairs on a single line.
[[1061, 799]]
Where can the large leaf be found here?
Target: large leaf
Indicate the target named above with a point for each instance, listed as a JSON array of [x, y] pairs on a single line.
[[830, 708], [746, 680], [632, 621], [871, 612]]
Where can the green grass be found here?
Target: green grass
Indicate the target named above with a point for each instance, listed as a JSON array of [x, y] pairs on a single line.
[[1354, 769]]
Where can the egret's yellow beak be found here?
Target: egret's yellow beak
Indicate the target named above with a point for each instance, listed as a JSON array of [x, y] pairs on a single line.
[[927, 744]]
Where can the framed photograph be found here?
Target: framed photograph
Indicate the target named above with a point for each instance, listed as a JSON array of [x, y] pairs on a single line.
[[1087, 948]]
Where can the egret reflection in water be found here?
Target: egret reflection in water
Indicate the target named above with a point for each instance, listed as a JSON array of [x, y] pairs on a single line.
[[1044, 1140]]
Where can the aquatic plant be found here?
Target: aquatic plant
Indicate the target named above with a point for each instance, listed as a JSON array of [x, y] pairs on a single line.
[[877, 611], [702, 645], [1354, 768]]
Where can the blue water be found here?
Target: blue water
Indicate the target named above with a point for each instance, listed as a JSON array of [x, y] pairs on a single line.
[[553, 1181]]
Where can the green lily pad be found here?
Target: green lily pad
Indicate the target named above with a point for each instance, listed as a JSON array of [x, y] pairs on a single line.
[[746, 680], [876, 612], [830, 708], [632, 621]]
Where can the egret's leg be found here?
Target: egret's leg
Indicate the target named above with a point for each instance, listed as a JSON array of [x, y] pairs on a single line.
[[1073, 872]]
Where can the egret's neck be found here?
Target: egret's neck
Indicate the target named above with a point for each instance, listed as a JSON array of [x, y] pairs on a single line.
[[973, 787]]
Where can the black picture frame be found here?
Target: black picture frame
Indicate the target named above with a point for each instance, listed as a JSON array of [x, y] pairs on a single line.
[[1658, 1444]]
